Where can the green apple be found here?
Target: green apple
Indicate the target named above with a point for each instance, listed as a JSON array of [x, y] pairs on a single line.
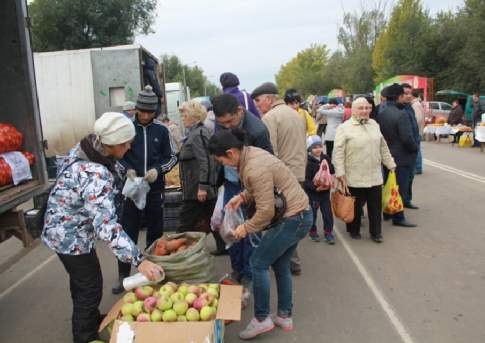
[[184, 289], [164, 303], [190, 298], [181, 318], [213, 292], [128, 318], [177, 296], [216, 286], [192, 315], [129, 297], [156, 316], [127, 309], [180, 307], [166, 290], [207, 313], [137, 308], [169, 316], [173, 285]]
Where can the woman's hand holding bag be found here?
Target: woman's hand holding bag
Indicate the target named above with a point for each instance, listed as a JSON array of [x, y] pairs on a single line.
[[343, 203]]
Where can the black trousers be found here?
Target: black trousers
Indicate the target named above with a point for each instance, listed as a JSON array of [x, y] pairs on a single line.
[[373, 197], [196, 215], [86, 283], [321, 129], [131, 221], [329, 146]]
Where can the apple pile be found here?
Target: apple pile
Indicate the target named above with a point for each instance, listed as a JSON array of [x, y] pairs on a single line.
[[171, 303]]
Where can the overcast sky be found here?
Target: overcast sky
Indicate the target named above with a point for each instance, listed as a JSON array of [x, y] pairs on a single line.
[[251, 38]]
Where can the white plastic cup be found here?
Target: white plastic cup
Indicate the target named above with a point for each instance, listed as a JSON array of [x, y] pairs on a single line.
[[140, 280]]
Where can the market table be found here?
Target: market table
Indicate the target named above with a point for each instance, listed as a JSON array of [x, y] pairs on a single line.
[[480, 136], [438, 130]]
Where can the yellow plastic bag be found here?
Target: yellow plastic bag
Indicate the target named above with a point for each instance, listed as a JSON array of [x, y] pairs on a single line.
[[466, 140], [391, 199]]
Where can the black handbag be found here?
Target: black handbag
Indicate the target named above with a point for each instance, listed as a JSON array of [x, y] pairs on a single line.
[[279, 211]]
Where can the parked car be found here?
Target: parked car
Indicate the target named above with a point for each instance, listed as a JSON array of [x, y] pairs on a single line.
[[434, 109]]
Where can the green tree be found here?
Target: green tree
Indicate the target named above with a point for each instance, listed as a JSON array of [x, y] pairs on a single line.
[[79, 24], [471, 56], [445, 44], [199, 85], [401, 47], [305, 72], [358, 35]]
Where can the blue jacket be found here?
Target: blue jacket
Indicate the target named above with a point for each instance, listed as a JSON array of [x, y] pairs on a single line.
[[414, 123], [151, 148]]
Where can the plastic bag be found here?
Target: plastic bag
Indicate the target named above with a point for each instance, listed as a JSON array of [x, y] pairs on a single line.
[[193, 265], [232, 219], [218, 214], [466, 140], [322, 179], [391, 199], [136, 189], [6, 171]]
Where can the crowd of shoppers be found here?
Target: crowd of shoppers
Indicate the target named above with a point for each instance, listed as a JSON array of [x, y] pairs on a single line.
[[260, 153]]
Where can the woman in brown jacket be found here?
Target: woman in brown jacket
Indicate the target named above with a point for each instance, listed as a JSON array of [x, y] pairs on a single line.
[[263, 175]]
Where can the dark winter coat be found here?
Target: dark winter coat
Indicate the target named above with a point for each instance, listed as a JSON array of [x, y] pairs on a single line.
[[257, 135], [197, 166], [312, 167], [414, 123], [456, 116], [399, 134], [151, 148]]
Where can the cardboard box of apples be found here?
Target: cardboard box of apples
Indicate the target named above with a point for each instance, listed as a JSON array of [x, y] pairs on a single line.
[[175, 313]]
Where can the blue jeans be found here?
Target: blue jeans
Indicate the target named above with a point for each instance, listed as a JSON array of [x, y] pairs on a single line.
[[275, 249], [419, 160], [403, 177], [241, 251], [323, 203]]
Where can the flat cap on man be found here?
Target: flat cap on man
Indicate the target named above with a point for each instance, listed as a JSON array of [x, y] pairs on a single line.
[[265, 88]]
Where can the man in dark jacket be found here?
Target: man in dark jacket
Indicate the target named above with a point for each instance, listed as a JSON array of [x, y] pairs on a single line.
[[230, 83], [151, 156], [457, 115], [397, 129], [408, 108], [229, 115]]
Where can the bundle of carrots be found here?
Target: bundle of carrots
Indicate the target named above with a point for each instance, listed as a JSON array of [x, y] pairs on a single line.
[[166, 247]]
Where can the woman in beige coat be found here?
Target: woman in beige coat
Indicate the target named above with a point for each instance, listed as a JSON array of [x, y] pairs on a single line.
[[262, 174], [360, 150]]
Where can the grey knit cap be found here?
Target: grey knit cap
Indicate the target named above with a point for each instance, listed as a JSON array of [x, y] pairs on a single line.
[[265, 88], [147, 100]]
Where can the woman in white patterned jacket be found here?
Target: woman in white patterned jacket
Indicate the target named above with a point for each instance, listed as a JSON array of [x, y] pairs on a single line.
[[81, 209]]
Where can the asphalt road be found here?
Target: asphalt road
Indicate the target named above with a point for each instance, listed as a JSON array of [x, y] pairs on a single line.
[[421, 285]]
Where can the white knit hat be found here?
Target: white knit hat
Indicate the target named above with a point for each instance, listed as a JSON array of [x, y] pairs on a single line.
[[114, 128], [312, 141]]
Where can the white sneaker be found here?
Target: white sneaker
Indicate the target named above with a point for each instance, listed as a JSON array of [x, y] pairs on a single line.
[[256, 328], [286, 324]]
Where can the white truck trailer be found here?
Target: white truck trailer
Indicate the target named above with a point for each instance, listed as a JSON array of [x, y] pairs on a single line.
[[75, 87]]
